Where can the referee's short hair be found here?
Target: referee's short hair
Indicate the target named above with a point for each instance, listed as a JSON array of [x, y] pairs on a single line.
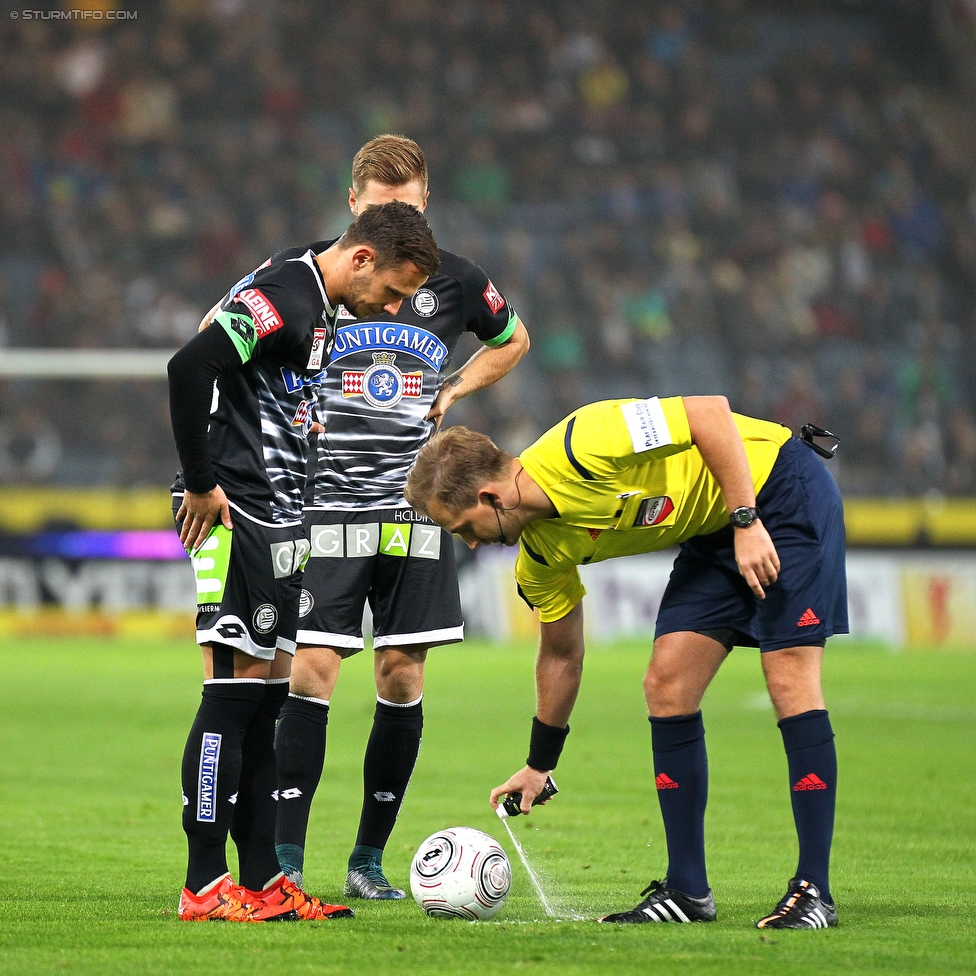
[[391, 161], [398, 233], [452, 467]]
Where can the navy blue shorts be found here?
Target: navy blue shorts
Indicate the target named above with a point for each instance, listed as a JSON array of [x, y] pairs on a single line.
[[803, 514]]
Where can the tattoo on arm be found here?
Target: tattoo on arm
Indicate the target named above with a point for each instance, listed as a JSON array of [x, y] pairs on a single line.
[[456, 380]]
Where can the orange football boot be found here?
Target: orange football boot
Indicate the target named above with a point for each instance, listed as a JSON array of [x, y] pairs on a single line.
[[222, 903], [286, 902]]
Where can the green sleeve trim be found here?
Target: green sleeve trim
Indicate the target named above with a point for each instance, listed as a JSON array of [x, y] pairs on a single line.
[[509, 329], [241, 330]]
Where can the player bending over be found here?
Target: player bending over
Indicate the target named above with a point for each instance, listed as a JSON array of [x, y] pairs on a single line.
[[242, 395], [760, 527]]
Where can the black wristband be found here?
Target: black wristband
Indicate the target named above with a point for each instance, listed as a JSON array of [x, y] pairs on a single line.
[[545, 745]]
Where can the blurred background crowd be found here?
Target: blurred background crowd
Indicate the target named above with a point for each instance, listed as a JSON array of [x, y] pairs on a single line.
[[774, 201]]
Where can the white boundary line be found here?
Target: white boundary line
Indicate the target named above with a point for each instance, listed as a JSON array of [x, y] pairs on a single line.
[[84, 363]]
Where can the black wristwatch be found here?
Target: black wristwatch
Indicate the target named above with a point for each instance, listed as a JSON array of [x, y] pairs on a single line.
[[743, 516]]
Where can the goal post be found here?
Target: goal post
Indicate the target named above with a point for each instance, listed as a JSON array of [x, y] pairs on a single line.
[[84, 363]]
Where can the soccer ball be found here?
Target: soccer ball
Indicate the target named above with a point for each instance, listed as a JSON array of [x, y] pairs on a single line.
[[460, 873]]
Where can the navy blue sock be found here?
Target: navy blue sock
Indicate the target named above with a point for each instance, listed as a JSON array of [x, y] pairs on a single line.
[[809, 741], [681, 777]]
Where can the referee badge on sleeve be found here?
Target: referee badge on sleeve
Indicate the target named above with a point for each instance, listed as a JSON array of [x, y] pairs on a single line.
[[646, 424]]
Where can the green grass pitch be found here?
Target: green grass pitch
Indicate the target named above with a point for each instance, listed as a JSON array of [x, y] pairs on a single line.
[[91, 734]]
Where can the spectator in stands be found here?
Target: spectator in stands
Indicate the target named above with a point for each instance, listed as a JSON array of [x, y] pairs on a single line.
[[754, 197]]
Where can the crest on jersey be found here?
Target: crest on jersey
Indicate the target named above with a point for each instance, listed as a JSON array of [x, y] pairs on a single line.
[[382, 385], [265, 618], [653, 511], [424, 302]]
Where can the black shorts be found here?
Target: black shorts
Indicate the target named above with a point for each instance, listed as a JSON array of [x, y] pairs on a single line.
[[399, 561], [802, 511], [249, 582]]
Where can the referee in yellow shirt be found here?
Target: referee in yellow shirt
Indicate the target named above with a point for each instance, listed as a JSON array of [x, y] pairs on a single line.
[[760, 526]]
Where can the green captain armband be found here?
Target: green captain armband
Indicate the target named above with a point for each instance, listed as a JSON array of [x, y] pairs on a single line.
[[509, 329], [240, 327]]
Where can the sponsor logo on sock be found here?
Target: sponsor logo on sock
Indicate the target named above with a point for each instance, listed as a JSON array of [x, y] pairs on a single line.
[[290, 794], [808, 619], [207, 779], [664, 782], [809, 782], [384, 797]]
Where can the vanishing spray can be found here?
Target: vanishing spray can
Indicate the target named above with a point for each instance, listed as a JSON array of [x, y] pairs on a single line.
[[512, 801]]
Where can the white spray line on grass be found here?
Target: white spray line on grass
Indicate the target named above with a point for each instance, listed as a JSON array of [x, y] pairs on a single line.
[[556, 912], [528, 867]]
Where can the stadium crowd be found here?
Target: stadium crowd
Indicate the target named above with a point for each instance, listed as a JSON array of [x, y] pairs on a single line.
[[725, 197]]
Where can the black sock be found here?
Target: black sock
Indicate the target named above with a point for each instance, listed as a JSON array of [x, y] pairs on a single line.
[[252, 823], [300, 751], [211, 772], [681, 778], [812, 757], [391, 755]]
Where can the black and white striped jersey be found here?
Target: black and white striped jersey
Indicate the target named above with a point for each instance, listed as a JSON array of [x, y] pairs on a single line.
[[382, 379], [282, 325]]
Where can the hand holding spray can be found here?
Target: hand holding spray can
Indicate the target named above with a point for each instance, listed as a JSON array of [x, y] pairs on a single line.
[[510, 805]]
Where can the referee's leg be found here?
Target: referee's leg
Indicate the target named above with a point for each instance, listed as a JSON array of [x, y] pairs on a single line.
[[680, 671]]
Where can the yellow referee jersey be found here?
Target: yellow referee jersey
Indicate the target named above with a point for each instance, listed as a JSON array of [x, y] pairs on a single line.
[[625, 479]]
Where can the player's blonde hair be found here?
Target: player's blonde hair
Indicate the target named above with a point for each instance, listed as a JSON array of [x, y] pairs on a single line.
[[390, 160], [452, 467]]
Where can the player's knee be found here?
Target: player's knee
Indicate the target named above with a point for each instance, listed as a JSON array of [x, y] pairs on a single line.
[[400, 675], [314, 672]]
